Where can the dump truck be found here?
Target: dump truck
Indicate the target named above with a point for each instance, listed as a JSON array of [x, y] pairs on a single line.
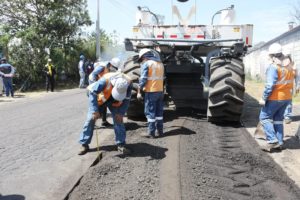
[[204, 67]]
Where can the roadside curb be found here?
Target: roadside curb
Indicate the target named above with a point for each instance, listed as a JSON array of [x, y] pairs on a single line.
[[96, 161]]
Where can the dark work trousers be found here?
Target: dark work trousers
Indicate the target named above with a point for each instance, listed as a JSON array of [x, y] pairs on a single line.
[[104, 113], [49, 83]]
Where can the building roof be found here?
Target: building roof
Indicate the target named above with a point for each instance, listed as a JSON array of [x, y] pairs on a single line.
[[266, 44]]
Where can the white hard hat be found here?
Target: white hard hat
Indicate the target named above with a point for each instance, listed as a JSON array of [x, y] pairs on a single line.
[[49, 60], [116, 62], [119, 90], [275, 48], [142, 52]]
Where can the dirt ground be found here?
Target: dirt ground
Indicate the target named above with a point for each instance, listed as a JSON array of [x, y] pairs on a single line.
[[215, 162]]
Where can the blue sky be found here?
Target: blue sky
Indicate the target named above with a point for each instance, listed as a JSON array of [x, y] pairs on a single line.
[[269, 17]]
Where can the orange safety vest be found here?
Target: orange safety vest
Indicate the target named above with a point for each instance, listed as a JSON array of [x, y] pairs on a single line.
[[283, 88], [106, 93], [155, 77]]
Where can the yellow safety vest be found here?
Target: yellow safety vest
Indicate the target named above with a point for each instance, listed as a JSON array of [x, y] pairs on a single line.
[[49, 66], [155, 77]]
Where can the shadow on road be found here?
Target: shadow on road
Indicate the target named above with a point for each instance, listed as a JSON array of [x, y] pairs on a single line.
[[296, 118], [133, 126], [251, 111], [179, 131], [12, 197], [138, 150], [292, 142]]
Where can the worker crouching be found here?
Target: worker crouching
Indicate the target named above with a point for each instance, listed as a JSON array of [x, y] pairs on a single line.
[[114, 91]]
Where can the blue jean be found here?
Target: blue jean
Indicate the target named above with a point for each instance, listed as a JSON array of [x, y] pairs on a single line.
[[82, 79], [7, 81], [154, 108], [119, 127], [288, 111], [271, 117]]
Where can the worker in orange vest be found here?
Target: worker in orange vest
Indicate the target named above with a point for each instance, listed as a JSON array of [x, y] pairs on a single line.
[[277, 95], [114, 91], [151, 82]]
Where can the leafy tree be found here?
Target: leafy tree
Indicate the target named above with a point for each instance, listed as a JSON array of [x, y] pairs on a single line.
[[53, 24]]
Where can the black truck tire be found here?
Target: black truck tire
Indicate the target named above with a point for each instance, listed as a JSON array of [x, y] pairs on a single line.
[[226, 90], [132, 69]]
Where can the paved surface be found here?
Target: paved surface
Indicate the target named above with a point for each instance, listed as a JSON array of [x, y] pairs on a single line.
[[31, 151], [38, 144]]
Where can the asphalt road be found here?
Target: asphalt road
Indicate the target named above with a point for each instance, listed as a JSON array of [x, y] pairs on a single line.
[[38, 145], [195, 160]]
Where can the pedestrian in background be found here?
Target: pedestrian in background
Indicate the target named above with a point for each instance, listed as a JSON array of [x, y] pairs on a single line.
[[81, 71], [151, 82], [1, 83], [114, 91], [276, 96], [100, 69], [8, 72], [50, 75], [89, 69]]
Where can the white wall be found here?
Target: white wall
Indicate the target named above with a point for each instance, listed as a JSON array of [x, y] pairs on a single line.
[[256, 62]]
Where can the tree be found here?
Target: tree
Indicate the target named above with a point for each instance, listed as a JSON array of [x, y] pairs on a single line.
[[296, 12], [41, 24]]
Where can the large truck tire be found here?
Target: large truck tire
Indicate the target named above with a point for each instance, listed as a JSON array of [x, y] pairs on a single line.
[[226, 90], [132, 69]]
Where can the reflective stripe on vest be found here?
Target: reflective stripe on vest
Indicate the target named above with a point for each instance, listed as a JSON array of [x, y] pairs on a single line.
[[283, 88], [155, 77]]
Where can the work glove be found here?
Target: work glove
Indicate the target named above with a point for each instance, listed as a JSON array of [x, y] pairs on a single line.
[[139, 97], [262, 102]]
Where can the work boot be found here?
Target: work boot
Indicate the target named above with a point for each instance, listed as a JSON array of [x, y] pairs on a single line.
[[160, 134], [147, 135], [124, 150], [270, 146], [287, 120], [106, 124], [83, 149]]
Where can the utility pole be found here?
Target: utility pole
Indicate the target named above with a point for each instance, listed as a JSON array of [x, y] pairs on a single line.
[[98, 52]]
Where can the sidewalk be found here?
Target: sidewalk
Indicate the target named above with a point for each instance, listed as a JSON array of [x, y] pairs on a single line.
[[288, 159]]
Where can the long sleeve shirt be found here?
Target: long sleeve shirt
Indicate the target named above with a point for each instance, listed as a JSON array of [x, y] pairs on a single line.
[[98, 87], [144, 71], [7, 70], [271, 79]]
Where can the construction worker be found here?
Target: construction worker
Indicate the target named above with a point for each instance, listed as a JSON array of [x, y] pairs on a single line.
[[100, 69], [7, 74], [288, 111], [276, 96], [81, 71], [114, 91], [115, 65], [50, 75], [151, 82]]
